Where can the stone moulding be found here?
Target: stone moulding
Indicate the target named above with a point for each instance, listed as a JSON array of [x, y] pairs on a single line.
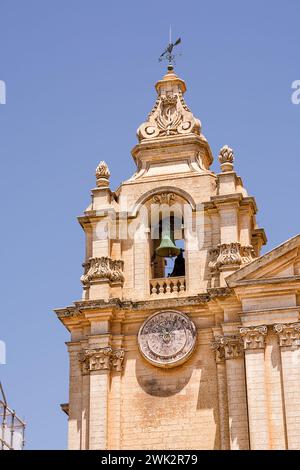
[[227, 347], [230, 254], [288, 334], [254, 336], [103, 268], [79, 307], [105, 358]]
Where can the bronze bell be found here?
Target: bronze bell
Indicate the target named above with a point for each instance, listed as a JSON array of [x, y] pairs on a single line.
[[167, 247]]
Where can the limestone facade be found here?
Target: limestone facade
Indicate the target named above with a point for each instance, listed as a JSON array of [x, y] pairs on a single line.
[[206, 360]]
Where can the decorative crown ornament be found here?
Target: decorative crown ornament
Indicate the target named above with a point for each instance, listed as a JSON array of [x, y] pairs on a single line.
[[226, 158], [102, 175], [170, 115]]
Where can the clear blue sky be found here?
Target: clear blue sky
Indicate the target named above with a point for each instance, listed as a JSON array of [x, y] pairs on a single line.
[[79, 76]]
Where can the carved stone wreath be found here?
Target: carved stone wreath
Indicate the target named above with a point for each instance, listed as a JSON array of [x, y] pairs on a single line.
[[167, 339]]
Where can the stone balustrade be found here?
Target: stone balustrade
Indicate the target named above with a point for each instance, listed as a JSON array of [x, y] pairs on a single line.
[[167, 286]]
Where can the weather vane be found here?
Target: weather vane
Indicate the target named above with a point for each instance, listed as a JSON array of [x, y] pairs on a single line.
[[168, 52]]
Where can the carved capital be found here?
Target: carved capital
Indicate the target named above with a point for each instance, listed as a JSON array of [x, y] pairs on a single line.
[[227, 347], [254, 336], [288, 334], [102, 359], [103, 268], [117, 359]]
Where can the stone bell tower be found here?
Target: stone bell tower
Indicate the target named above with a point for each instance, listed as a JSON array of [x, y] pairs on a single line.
[[166, 359]]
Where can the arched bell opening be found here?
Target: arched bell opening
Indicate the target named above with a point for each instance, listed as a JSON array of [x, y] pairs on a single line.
[[167, 246]]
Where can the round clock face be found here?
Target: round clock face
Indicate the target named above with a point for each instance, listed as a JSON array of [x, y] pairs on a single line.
[[167, 338]]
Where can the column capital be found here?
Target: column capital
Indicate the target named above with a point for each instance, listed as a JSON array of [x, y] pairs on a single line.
[[101, 359], [227, 347], [254, 336], [288, 334]]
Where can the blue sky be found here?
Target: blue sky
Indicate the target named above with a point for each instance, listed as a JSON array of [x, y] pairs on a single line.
[[79, 77]]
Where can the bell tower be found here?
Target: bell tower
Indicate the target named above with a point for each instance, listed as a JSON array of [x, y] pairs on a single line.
[[146, 364]]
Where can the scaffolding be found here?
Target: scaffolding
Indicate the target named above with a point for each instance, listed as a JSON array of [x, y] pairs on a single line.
[[12, 428]]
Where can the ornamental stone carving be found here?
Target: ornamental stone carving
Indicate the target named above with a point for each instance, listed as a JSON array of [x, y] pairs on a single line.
[[169, 116], [102, 359], [288, 334], [247, 254], [167, 339], [103, 268], [230, 254], [102, 174], [254, 336], [226, 158], [164, 198], [227, 347]]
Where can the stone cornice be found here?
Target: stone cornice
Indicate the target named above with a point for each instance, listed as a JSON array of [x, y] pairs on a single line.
[[98, 359], [254, 336], [219, 292], [269, 280], [234, 198], [288, 334], [78, 308], [227, 347]]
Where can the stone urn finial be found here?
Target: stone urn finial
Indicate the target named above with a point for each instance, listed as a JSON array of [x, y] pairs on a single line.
[[226, 158], [102, 175]]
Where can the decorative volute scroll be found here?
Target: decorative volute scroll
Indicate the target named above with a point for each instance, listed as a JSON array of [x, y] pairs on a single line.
[[227, 347], [288, 334], [170, 114], [254, 336], [102, 174], [105, 358], [103, 268], [230, 254]]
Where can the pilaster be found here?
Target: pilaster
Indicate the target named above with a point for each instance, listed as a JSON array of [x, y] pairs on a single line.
[[289, 342], [229, 350], [98, 363], [254, 344]]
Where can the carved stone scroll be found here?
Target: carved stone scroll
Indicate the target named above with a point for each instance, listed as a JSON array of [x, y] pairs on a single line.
[[103, 268]]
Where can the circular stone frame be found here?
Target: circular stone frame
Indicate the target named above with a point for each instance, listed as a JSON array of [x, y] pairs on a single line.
[[167, 338]]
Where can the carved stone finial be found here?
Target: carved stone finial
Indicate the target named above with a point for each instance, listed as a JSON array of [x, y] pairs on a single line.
[[102, 175], [226, 158]]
